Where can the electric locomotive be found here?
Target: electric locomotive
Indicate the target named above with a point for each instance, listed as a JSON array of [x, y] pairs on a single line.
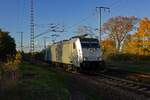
[[79, 52]]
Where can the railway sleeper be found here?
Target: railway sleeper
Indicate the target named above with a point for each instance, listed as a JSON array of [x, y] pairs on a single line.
[[121, 84], [148, 92], [130, 85], [142, 89], [135, 87]]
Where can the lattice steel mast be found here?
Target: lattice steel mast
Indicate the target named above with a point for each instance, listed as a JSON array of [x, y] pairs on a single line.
[[99, 9], [32, 26]]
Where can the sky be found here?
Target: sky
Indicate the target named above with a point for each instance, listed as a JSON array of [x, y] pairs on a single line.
[[15, 16]]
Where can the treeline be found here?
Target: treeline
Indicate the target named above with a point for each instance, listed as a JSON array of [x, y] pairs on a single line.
[[9, 57], [128, 39], [7, 46]]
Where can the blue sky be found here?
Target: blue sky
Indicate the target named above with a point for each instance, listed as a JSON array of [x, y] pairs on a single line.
[[14, 15]]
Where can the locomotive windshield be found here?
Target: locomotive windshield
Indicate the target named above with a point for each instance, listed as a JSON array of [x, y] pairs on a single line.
[[90, 45]]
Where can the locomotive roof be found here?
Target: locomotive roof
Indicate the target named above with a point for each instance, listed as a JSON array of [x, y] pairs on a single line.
[[81, 36], [84, 37]]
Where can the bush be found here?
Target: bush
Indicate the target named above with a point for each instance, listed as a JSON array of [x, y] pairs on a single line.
[[11, 64], [9, 69], [7, 46], [125, 57]]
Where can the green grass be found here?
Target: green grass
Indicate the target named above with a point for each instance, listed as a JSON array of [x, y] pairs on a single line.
[[37, 83], [132, 66]]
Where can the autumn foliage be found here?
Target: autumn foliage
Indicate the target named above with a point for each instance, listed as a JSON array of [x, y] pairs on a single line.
[[117, 29], [136, 45], [140, 40], [108, 47]]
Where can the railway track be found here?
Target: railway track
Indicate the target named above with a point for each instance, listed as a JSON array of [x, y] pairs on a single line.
[[139, 88], [122, 87], [129, 75], [116, 81], [115, 69]]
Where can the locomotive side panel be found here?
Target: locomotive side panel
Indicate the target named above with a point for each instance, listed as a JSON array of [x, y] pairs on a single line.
[[76, 56], [53, 53], [59, 51], [67, 51]]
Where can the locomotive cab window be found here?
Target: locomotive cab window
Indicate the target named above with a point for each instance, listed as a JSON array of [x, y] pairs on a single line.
[[90, 45], [74, 46]]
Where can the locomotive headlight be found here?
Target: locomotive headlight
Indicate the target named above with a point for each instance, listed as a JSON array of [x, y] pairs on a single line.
[[85, 58], [99, 58]]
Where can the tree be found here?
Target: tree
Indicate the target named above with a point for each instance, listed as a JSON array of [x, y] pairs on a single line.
[[108, 47], [140, 43], [117, 29], [7, 46]]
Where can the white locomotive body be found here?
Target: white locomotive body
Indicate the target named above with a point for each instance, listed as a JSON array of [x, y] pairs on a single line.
[[78, 52]]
